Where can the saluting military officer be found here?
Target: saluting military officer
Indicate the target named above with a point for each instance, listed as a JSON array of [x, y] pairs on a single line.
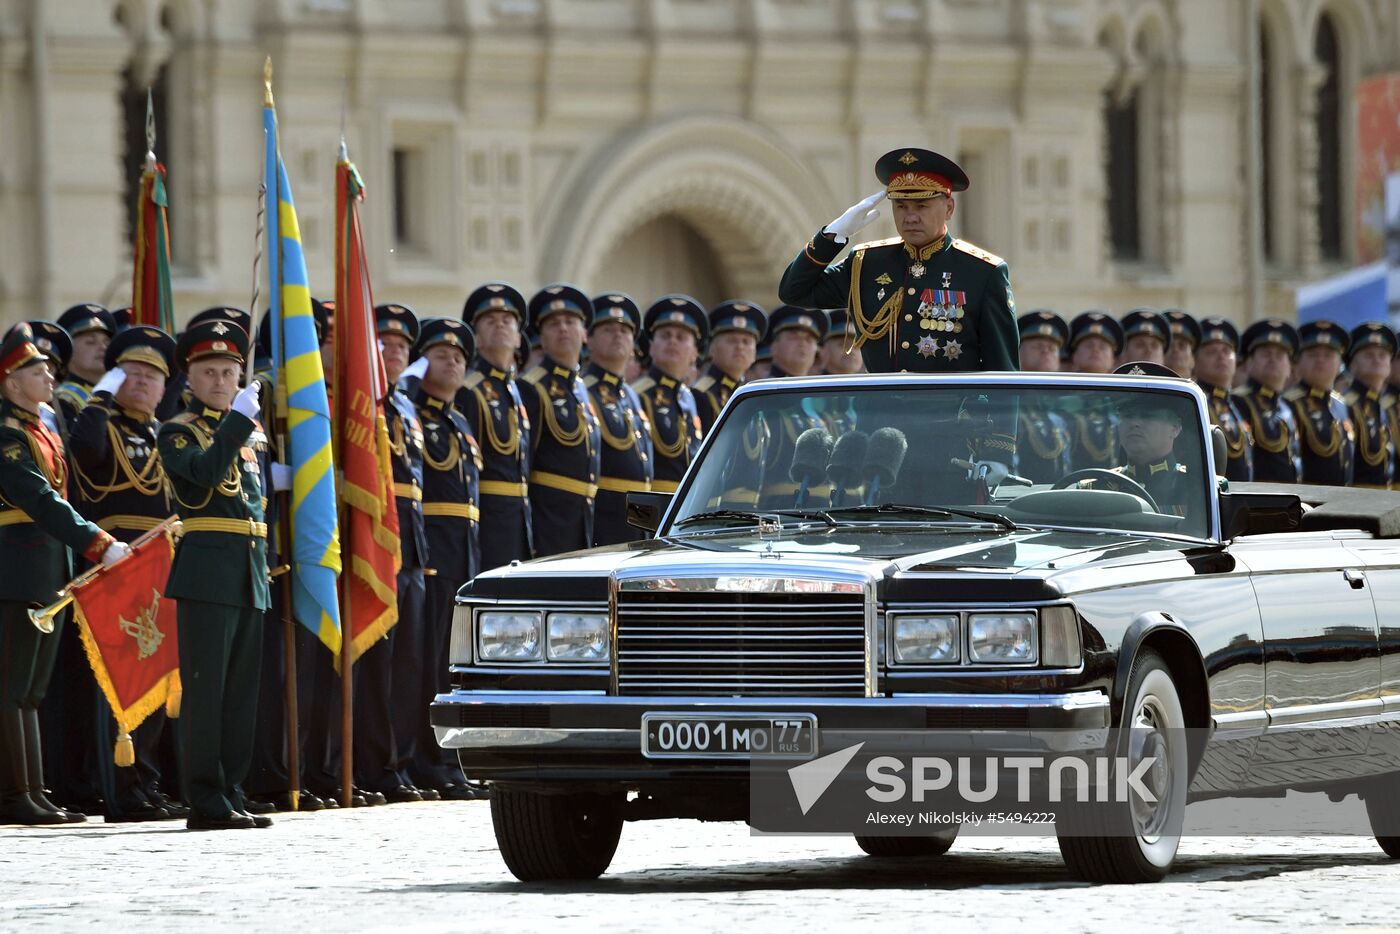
[[735, 330], [213, 452], [1095, 340], [1186, 338], [1214, 368], [924, 301], [676, 330], [491, 402], [564, 459], [39, 531], [90, 327], [451, 519], [1269, 348], [1042, 436], [625, 465], [1373, 346], [1147, 337], [1328, 437], [122, 487]]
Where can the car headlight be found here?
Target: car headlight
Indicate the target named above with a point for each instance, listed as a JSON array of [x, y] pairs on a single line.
[[1001, 638], [925, 639], [510, 636], [578, 637]]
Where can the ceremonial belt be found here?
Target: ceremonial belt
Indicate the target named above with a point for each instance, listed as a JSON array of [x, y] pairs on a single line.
[[665, 486], [228, 526], [14, 517], [504, 488], [128, 522], [619, 485], [459, 510], [408, 491], [561, 482]]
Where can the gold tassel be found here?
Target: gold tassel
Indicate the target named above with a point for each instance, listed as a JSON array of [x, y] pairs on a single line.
[[172, 704], [125, 754]]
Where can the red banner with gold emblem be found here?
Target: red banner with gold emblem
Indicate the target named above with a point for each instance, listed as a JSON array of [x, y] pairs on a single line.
[[129, 633]]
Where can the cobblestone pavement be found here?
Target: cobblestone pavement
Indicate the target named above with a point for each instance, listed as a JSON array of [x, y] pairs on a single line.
[[435, 867]]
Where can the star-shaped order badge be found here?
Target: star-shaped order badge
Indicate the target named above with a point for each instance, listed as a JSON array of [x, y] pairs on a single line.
[[928, 347], [953, 350]]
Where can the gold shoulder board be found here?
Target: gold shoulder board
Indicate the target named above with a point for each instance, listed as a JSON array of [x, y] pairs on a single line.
[[643, 384], [888, 241], [972, 249], [534, 375], [474, 379]]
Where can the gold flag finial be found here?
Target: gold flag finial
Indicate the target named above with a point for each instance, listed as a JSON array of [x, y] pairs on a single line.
[[267, 82]]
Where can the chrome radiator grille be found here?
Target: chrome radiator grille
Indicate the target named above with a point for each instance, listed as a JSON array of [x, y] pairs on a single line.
[[741, 644]]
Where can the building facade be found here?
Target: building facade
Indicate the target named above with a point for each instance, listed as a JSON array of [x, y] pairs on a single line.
[[1189, 153]]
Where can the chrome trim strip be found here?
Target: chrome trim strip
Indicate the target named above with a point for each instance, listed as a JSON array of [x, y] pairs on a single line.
[[476, 737], [1242, 724], [1308, 714], [1073, 700]]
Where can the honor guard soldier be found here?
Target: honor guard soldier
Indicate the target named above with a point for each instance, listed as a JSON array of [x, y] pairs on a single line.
[[1214, 368], [1269, 348], [1042, 436], [625, 464], [212, 453], [492, 403], [122, 487], [451, 517], [90, 328], [1095, 340], [795, 334], [924, 301], [837, 354], [1186, 338], [1373, 346], [54, 343], [735, 330], [676, 330], [177, 394], [1147, 336], [1328, 437], [762, 361], [564, 459]]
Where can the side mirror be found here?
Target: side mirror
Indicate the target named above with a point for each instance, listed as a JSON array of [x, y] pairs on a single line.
[[644, 510], [1259, 513]]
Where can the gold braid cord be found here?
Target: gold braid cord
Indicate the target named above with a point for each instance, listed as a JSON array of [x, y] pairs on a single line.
[[628, 439], [148, 481], [568, 439], [1334, 442], [876, 327], [511, 445], [670, 451], [454, 454]]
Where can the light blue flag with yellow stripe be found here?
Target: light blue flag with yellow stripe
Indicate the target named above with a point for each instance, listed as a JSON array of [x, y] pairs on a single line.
[[296, 362]]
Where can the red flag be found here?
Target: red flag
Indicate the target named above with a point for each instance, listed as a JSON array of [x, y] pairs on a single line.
[[369, 531], [130, 636], [151, 301]]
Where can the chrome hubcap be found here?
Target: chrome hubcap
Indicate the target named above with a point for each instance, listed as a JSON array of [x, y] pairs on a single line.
[[1148, 739]]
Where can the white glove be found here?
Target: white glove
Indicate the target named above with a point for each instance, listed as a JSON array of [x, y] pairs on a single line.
[[281, 477], [246, 402], [111, 381], [856, 218], [414, 370], [114, 553], [993, 473]]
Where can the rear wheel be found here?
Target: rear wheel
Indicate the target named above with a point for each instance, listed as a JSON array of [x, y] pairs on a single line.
[[935, 845], [555, 837], [1136, 840]]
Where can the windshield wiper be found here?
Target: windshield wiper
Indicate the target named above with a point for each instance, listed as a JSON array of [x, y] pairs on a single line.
[[942, 512], [743, 516]]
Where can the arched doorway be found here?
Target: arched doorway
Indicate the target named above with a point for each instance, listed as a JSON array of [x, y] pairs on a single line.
[[664, 255]]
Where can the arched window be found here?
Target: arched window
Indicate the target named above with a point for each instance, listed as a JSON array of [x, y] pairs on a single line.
[[1123, 167], [1327, 51], [133, 104]]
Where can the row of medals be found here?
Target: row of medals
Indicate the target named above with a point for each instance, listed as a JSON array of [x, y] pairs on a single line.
[[937, 317]]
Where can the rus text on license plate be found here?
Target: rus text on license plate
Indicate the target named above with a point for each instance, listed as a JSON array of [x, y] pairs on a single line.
[[718, 736]]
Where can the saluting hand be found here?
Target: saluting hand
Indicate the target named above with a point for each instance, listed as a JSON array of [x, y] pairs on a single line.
[[857, 218], [246, 402], [111, 381]]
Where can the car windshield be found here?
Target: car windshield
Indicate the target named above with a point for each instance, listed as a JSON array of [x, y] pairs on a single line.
[[1129, 459]]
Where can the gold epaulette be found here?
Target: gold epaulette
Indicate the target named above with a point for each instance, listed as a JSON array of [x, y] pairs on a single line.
[[972, 249], [590, 380], [1294, 394], [535, 375], [474, 379], [183, 418], [888, 241], [643, 384], [703, 384]]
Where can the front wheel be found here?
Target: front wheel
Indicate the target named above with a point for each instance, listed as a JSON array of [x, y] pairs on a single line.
[[1384, 813], [934, 845], [1135, 840], [566, 837]]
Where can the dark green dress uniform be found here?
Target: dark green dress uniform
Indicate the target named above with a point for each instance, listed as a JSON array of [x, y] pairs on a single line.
[[451, 519], [73, 393], [122, 487], [945, 307], [625, 462], [1369, 410], [670, 406], [713, 389], [564, 458], [1226, 410], [220, 578], [492, 404], [1325, 429], [39, 531], [1168, 481]]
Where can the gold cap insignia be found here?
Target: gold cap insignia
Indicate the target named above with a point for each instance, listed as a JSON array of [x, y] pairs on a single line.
[[908, 158], [220, 328], [218, 345]]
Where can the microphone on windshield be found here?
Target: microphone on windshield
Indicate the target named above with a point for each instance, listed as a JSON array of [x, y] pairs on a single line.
[[883, 458], [809, 457], [847, 457]]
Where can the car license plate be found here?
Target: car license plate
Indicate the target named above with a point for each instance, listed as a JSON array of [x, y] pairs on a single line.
[[735, 736]]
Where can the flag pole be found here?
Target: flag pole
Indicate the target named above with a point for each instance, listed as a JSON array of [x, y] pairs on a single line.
[[347, 655]]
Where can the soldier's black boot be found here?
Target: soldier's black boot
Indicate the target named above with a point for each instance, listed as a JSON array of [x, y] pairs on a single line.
[[16, 807], [34, 769]]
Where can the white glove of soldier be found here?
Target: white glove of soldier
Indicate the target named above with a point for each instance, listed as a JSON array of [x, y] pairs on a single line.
[[856, 218], [281, 477], [114, 553], [246, 402], [414, 370], [111, 381]]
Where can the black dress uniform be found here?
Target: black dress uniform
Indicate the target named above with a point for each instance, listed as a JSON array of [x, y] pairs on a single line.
[[1375, 445], [1166, 479], [122, 487], [669, 403], [1328, 436], [945, 307], [73, 393], [1043, 445], [1226, 410], [39, 531], [1094, 424], [713, 389], [215, 462], [491, 402], [625, 462], [1273, 427], [451, 520]]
